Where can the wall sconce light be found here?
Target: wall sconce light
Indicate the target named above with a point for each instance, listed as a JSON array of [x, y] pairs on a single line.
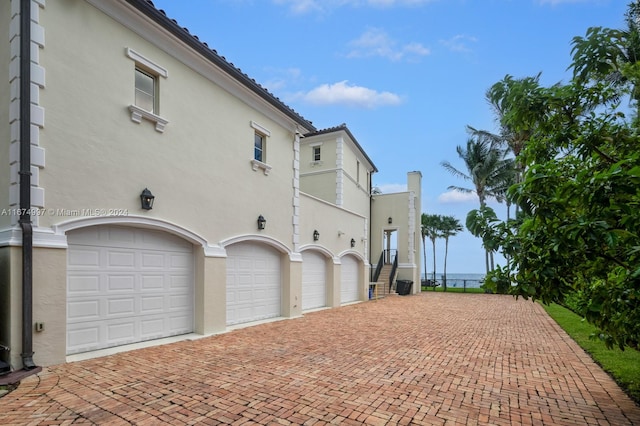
[[316, 235], [146, 199], [390, 220], [261, 222], [353, 243]]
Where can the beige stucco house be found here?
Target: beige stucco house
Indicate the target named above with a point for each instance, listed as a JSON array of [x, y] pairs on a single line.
[[151, 189]]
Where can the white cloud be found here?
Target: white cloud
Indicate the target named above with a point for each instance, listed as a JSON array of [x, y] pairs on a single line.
[[282, 78], [343, 93], [459, 43], [376, 42], [455, 197]]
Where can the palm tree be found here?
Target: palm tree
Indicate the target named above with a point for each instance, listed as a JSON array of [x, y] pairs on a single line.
[[604, 53], [431, 225], [449, 227], [487, 169]]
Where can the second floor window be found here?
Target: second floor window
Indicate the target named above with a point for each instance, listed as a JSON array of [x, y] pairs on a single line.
[[146, 89], [259, 148], [316, 153]]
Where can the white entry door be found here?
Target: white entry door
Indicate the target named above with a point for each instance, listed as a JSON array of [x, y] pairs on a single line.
[[349, 280], [254, 283], [314, 280], [127, 285]]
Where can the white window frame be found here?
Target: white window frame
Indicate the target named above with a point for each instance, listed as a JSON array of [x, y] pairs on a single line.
[[265, 133], [152, 68], [313, 147]]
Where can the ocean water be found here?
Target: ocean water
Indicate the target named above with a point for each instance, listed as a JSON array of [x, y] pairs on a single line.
[[458, 280]]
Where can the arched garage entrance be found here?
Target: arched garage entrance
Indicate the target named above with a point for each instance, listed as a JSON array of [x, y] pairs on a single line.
[[350, 277], [254, 283], [127, 285], [314, 280]]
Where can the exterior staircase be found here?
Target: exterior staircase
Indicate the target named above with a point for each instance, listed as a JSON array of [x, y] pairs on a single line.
[[383, 281]]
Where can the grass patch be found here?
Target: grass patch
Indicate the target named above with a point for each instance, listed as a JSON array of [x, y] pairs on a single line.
[[623, 366]]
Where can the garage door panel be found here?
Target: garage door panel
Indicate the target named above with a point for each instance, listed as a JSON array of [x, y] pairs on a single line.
[[83, 310], [349, 280], [121, 259], [113, 291], [152, 260], [84, 284], [152, 282], [121, 306], [152, 304], [314, 286], [121, 333], [179, 282], [117, 283], [178, 261], [253, 283], [83, 337], [89, 258], [244, 295], [120, 235], [179, 302], [152, 327]]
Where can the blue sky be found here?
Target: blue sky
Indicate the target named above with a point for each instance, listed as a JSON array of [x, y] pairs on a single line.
[[406, 76]]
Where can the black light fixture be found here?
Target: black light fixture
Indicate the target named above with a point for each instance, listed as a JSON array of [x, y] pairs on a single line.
[[261, 222], [353, 243], [390, 220], [146, 199], [316, 235]]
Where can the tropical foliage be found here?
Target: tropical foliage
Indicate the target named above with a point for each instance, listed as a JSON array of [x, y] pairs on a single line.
[[578, 187], [436, 226], [488, 170]]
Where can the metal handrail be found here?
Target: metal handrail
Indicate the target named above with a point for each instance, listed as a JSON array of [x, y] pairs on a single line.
[[393, 271], [376, 274]]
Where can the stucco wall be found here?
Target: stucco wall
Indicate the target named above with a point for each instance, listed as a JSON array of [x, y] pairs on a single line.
[[11, 303], [199, 169], [49, 305], [321, 185], [327, 154], [336, 227]]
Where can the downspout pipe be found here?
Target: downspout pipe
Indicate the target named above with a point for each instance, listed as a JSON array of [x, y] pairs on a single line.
[[25, 185]]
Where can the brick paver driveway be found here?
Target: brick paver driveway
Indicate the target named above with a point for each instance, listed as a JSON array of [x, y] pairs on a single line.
[[429, 359]]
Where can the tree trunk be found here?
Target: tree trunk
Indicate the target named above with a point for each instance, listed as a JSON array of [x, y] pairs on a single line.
[[424, 255], [434, 262], [486, 259], [446, 251]]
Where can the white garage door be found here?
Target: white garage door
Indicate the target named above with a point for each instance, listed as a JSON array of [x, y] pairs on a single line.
[[314, 282], [349, 280], [253, 283], [126, 285]]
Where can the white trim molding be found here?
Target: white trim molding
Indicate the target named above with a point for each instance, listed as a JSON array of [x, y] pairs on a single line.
[[261, 129], [255, 165], [38, 82], [137, 114], [56, 236], [259, 238], [145, 62]]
